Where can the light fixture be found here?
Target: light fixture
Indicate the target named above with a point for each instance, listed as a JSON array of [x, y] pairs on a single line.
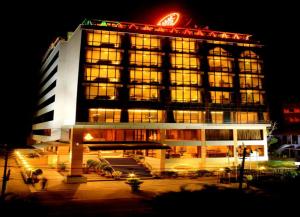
[[88, 137]]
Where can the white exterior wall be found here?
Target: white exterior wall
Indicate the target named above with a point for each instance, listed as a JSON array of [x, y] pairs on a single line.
[[65, 91]]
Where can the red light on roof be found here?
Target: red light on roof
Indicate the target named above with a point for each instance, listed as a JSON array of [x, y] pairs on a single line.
[[169, 20]]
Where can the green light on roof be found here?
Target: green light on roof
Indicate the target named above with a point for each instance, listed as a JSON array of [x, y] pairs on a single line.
[[103, 23], [87, 22]]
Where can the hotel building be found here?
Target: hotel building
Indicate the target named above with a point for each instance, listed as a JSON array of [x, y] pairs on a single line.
[[183, 98]]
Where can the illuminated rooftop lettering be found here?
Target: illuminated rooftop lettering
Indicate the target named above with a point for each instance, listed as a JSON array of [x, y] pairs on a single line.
[[169, 20]]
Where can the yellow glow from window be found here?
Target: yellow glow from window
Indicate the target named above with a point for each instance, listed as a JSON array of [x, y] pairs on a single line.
[[144, 115], [187, 77], [187, 61], [217, 117], [185, 94], [104, 115], [218, 51], [217, 79], [220, 97], [183, 45], [189, 116], [145, 75], [107, 55], [143, 92], [145, 58], [217, 63], [145, 41], [104, 38]]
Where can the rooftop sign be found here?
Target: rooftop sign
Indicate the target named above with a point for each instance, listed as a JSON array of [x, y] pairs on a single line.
[[169, 20]]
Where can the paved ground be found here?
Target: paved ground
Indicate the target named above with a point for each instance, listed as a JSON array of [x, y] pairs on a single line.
[[15, 184]]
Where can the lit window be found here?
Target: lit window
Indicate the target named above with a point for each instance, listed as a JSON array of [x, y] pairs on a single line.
[[219, 79], [143, 115], [246, 117], [220, 64], [217, 117], [104, 115], [145, 58], [250, 81], [185, 77], [218, 51], [144, 92], [220, 97], [102, 73], [145, 75], [249, 54], [103, 38], [189, 116], [103, 56], [187, 61], [252, 96], [183, 45], [145, 42], [185, 94], [101, 91], [219, 151], [250, 65]]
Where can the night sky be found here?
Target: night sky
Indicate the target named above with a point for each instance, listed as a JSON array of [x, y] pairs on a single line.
[[27, 29]]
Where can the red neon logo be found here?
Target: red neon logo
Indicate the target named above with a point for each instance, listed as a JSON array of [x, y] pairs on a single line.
[[169, 20]]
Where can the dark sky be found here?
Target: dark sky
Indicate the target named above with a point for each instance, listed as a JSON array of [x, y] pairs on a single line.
[[27, 30]]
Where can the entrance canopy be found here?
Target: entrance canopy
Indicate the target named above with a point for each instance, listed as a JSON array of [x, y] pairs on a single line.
[[94, 146]]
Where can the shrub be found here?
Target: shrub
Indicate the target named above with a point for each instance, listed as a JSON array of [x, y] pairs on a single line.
[[117, 174], [134, 183]]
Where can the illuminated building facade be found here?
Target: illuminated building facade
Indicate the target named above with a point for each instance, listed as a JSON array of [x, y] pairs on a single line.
[[182, 98]]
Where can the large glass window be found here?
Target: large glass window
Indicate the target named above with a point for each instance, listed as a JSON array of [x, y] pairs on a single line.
[[104, 38], [218, 51], [250, 81], [220, 97], [185, 94], [252, 96], [140, 41], [219, 151], [143, 115], [123, 135], [252, 151], [218, 134], [249, 54], [183, 134], [102, 73], [184, 152], [185, 77], [145, 75], [249, 134], [250, 65], [184, 45], [104, 115], [145, 58], [219, 79], [246, 117], [189, 116], [101, 91], [217, 117], [186, 61], [103, 55], [219, 64], [144, 92]]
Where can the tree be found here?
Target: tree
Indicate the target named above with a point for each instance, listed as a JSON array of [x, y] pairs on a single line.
[[271, 139]]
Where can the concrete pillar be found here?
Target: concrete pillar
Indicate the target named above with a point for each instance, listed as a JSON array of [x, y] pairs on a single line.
[[265, 134], [235, 147], [203, 149], [76, 157], [162, 159]]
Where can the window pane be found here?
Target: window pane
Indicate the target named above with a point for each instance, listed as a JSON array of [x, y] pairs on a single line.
[[143, 115]]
